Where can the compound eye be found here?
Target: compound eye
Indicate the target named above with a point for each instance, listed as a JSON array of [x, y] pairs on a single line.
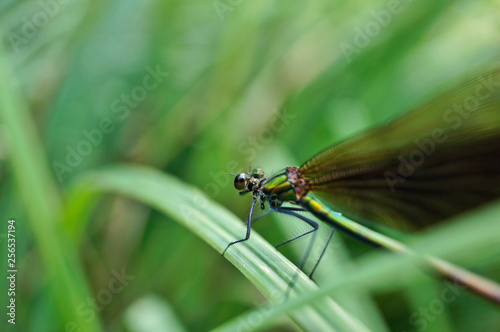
[[240, 181]]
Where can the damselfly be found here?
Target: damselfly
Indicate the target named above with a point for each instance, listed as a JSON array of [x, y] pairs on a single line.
[[436, 162]]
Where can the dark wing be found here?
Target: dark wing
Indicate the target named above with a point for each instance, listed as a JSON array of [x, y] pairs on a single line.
[[435, 162]]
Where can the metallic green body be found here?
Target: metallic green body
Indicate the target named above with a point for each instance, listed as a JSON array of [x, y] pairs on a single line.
[[278, 189]]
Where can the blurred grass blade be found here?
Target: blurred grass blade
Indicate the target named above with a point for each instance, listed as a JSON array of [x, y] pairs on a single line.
[[152, 313], [265, 267], [40, 198]]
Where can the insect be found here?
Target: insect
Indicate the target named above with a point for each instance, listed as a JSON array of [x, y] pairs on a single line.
[[433, 163]]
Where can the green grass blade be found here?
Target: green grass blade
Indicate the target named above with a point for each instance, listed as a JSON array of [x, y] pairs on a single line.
[[265, 267], [377, 271], [40, 198]]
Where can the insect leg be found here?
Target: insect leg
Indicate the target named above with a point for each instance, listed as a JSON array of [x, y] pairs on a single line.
[[291, 211], [322, 253], [314, 225], [249, 226]]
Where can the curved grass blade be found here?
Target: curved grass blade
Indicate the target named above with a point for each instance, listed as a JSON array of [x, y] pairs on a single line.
[[378, 270], [265, 267]]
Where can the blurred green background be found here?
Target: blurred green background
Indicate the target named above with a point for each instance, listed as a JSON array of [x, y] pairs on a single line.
[[198, 89]]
